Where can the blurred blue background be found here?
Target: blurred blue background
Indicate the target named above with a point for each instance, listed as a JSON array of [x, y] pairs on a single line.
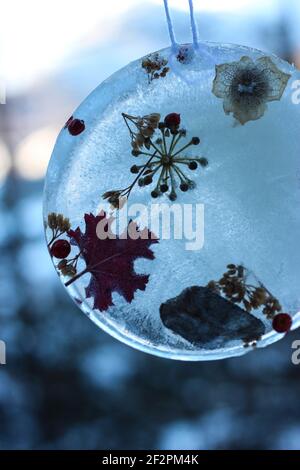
[[67, 385]]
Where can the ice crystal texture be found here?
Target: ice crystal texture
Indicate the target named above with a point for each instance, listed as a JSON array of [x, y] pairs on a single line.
[[250, 191]]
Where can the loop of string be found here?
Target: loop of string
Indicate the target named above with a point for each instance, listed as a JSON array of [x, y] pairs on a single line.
[[171, 29], [193, 25], [170, 25]]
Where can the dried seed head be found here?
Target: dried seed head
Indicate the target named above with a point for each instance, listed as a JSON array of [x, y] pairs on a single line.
[[184, 187], [134, 169], [203, 162], [60, 221], [114, 201], [147, 144], [52, 221], [193, 165], [164, 188], [139, 140], [62, 264], [154, 194], [173, 196], [65, 225], [154, 64], [68, 270], [153, 119], [111, 194], [148, 132], [231, 266], [113, 197], [148, 180]]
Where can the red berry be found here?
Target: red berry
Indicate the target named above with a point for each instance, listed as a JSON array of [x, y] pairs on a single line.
[[76, 126], [60, 249], [68, 122], [282, 322], [172, 121]]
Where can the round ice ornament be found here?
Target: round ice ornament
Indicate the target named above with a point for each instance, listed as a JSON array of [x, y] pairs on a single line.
[[172, 198]]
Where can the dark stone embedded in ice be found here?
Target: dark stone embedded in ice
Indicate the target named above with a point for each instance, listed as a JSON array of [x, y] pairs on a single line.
[[201, 317]]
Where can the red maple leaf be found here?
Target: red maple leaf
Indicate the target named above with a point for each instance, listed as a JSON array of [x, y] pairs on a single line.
[[110, 261]]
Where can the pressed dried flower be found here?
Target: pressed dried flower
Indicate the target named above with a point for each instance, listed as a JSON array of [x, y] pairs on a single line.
[[235, 286], [155, 66], [185, 54], [246, 87], [166, 163], [57, 222], [52, 221]]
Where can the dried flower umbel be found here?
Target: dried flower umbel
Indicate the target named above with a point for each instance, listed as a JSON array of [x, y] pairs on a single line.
[[166, 162], [155, 66], [235, 287], [246, 87]]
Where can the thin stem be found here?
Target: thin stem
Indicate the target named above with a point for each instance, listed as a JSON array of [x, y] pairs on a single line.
[[174, 142], [78, 276], [181, 175], [164, 141], [173, 183], [129, 189], [55, 235], [157, 149], [182, 149], [160, 179], [166, 177], [171, 144], [89, 269], [125, 117], [156, 169], [148, 154], [75, 259], [187, 159], [151, 165], [183, 162]]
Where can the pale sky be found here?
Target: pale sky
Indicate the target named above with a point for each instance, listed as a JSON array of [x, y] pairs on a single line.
[[36, 36]]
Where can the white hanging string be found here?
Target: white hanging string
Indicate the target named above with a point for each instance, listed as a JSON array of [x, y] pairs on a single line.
[[193, 25], [199, 48], [171, 29], [170, 25]]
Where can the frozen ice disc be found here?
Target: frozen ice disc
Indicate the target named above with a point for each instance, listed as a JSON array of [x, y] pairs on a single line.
[[213, 137]]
